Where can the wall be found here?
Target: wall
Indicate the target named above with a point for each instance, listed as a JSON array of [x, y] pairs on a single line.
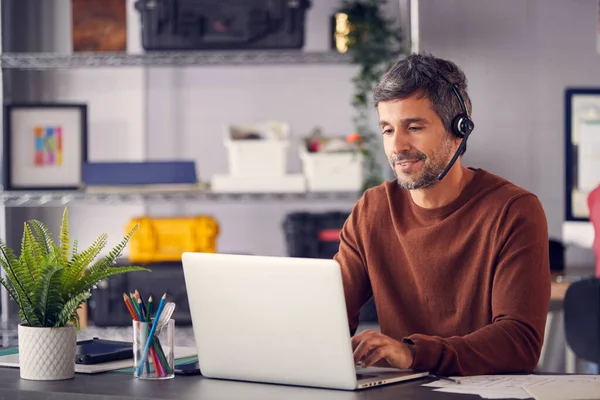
[[519, 56]]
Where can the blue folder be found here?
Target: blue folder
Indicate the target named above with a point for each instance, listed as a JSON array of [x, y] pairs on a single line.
[[139, 173]]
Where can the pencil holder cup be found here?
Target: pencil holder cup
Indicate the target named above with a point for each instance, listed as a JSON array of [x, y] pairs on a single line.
[[154, 358]]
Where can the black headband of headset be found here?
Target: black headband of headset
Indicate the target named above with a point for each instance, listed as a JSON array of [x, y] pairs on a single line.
[[457, 123]]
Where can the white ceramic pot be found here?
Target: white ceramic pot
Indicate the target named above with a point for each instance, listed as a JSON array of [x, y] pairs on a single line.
[[47, 354]]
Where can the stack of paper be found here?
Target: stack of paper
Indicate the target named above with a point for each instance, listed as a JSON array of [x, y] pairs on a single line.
[[517, 386]]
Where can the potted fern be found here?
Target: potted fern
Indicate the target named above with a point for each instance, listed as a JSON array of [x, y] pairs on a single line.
[[49, 281]]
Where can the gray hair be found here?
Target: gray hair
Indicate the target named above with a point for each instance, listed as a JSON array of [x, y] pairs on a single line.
[[430, 77]]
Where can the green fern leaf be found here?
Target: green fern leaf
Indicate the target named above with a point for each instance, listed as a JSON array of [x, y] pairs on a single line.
[[117, 251], [25, 311], [30, 316], [23, 317], [43, 237], [110, 260], [79, 263], [92, 279], [11, 291], [69, 309], [75, 248], [34, 248], [27, 257], [45, 265], [64, 237], [16, 273], [101, 265], [75, 319], [48, 295]]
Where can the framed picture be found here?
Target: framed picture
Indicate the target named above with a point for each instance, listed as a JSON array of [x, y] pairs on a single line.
[[45, 146], [582, 150]]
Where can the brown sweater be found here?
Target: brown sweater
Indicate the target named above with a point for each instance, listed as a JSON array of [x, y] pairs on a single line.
[[467, 283]]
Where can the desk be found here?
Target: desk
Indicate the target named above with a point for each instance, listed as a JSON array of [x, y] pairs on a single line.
[[558, 290], [113, 386], [559, 285]]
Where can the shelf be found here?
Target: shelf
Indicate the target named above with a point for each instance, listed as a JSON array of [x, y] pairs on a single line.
[[60, 198], [41, 61]]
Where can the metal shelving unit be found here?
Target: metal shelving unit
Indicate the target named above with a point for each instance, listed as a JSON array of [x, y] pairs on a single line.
[[53, 61], [185, 59], [59, 198]]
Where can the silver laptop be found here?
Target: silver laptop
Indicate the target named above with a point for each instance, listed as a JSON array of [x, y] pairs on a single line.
[[276, 320]]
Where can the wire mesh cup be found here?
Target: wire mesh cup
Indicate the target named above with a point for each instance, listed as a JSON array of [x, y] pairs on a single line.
[[153, 359]]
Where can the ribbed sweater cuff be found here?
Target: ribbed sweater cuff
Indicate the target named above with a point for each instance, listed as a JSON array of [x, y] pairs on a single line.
[[427, 352]]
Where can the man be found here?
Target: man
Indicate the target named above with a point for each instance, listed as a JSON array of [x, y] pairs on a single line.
[[458, 267]]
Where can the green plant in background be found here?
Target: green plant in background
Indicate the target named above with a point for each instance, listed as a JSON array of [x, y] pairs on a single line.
[[374, 43], [49, 281]]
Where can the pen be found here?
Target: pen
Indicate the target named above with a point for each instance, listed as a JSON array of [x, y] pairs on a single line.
[[446, 378]]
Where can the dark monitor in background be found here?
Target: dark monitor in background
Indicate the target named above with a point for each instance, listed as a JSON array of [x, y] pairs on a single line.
[[557, 255]]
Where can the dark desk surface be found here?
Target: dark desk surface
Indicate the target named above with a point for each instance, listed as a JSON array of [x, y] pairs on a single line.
[[111, 386]]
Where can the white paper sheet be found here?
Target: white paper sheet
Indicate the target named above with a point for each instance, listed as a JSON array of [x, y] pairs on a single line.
[[588, 165], [578, 391], [488, 394], [509, 386]]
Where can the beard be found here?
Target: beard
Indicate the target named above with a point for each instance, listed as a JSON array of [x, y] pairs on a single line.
[[432, 167]]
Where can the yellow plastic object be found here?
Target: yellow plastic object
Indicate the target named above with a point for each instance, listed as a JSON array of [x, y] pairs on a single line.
[[166, 239]]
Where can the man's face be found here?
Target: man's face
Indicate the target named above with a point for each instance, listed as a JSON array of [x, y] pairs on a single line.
[[415, 141]]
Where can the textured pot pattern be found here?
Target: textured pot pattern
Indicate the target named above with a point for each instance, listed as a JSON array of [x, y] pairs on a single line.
[[47, 354]]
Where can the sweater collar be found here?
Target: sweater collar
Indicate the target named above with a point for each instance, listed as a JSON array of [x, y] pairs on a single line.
[[440, 212]]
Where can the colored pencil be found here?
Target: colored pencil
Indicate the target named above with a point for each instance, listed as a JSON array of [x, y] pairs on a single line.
[[149, 309], [134, 306], [157, 353], [142, 313], [156, 344], [143, 306], [135, 316], [128, 304], [161, 354], [152, 330]]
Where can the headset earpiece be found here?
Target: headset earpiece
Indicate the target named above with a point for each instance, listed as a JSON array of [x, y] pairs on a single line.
[[462, 125]]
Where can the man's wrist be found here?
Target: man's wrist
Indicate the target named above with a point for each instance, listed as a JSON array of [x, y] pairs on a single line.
[[410, 345]]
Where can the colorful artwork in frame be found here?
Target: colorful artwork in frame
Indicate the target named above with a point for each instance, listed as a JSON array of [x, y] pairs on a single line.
[[48, 145], [45, 146]]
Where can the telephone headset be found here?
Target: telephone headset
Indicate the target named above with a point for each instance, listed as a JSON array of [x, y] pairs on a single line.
[[462, 126]]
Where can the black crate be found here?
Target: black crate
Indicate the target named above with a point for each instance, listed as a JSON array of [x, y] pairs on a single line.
[[313, 235], [222, 24], [106, 306]]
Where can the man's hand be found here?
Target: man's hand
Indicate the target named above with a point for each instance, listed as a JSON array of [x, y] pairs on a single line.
[[374, 348]]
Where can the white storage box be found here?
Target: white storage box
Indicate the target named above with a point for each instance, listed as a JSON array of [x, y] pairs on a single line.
[[331, 171], [264, 157], [292, 183]]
